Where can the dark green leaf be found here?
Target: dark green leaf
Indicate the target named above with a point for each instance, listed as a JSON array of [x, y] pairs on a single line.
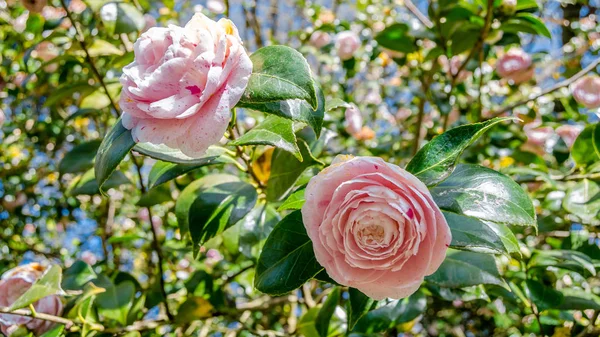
[[193, 309], [275, 131], [113, 149], [564, 259], [358, 305], [585, 150], [80, 158], [87, 184], [209, 205], [526, 23], [396, 38], [485, 194], [436, 160], [473, 235], [77, 276], [116, 301], [392, 314], [335, 103], [155, 196], [294, 201], [286, 169], [48, 284], [287, 259], [56, 331], [583, 200], [324, 316], [279, 73], [542, 296], [578, 299], [526, 4], [465, 269]]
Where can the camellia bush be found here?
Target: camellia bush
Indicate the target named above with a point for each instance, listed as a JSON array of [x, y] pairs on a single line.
[[299, 168]]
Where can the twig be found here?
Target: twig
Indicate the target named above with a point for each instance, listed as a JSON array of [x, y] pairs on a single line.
[[557, 86], [420, 117], [39, 315], [416, 12], [247, 160], [155, 243], [81, 40]]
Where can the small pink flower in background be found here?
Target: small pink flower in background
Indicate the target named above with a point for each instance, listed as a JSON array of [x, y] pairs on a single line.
[[46, 51], [89, 258], [402, 114], [537, 137], [353, 121], [586, 91], [34, 6], [374, 226], [320, 39], [77, 6], [213, 256], [183, 82], [347, 42], [453, 66], [373, 97], [515, 65], [569, 133], [149, 22], [15, 283], [216, 6], [20, 23]]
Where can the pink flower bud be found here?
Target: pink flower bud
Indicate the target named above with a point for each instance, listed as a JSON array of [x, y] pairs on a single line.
[[320, 39], [569, 133], [353, 120], [515, 66], [586, 91], [347, 43]]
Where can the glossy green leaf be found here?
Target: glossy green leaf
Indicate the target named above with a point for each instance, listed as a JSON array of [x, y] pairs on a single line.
[[275, 131], [527, 4], [526, 23], [113, 149], [56, 331], [485, 194], [542, 296], [436, 160], [324, 316], [294, 201], [392, 314], [116, 301], [286, 169], [336, 103], [80, 158], [563, 259], [87, 184], [396, 38], [121, 17], [287, 259], [359, 305], [77, 276], [464, 269], [47, 285], [585, 150], [279, 73], [162, 171], [167, 154], [155, 196], [473, 235], [255, 229], [578, 299], [583, 200], [209, 205]]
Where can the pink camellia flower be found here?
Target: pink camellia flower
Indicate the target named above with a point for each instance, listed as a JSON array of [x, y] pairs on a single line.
[[320, 39], [183, 82], [402, 114], [515, 66], [347, 43], [374, 226], [569, 133], [586, 91], [15, 283], [353, 120]]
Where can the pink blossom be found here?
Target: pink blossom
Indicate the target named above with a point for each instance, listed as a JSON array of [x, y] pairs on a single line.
[[216, 6], [537, 137], [347, 42], [46, 51], [183, 82], [569, 133], [374, 226], [149, 22], [15, 283], [515, 66], [353, 121], [402, 114], [586, 91], [320, 39]]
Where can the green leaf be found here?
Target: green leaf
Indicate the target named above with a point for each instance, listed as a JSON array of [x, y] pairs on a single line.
[[392, 314], [526, 23], [526, 4], [77, 276], [98, 99], [359, 305], [396, 38], [103, 48], [155, 196], [324, 316], [56, 331], [542, 296], [162, 171], [87, 184], [294, 201], [80, 158], [464, 269], [286, 169], [287, 259], [485, 194], [275, 131], [578, 299], [436, 160], [294, 109], [193, 309], [121, 17], [279, 73], [116, 301], [473, 235], [585, 149], [209, 205], [506, 235], [113, 149], [563, 259], [336, 103], [583, 200], [165, 153], [67, 90], [47, 285]]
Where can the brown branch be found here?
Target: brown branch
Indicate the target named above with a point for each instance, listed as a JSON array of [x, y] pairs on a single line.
[[557, 86], [38, 315], [416, 12]]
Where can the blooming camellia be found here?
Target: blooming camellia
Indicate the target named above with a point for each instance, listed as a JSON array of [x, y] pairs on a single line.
[[586, 91], [346, 43], [183, 82], [15, 283], [515, 66], [374, 226]]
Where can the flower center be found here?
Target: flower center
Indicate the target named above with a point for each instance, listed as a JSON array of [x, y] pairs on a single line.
[[372, 236]]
